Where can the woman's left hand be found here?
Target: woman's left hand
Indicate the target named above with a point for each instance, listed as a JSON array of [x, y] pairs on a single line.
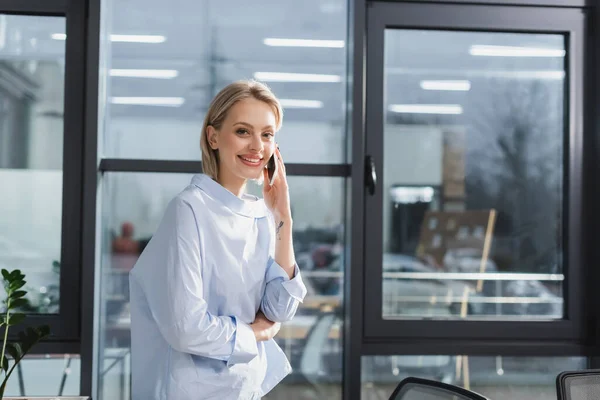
[[277, 196]]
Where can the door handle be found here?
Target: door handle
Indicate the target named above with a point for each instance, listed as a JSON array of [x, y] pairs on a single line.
[[370, 175]]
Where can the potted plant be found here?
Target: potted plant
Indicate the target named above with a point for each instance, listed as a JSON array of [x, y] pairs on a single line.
[[13, 352]]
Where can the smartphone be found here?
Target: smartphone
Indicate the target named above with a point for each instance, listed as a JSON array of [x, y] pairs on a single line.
[[271, 169]]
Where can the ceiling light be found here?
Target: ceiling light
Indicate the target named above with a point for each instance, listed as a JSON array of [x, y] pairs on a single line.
[[145, 73], [123, 38], [293, 103], [149, 101], [426, 108], [291, 77], [138, 38], [446, 85], [512, 51], [338, 44]]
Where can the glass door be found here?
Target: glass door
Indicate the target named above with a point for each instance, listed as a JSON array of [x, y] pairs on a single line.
[[472, 129]]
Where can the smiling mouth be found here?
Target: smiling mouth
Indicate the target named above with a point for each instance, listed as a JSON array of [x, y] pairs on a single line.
[[250, 161]]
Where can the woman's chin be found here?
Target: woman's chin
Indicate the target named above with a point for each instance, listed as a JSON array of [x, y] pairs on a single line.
[[253, 176]]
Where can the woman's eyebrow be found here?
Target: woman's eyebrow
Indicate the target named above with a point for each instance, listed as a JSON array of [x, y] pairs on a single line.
[[252, 127]]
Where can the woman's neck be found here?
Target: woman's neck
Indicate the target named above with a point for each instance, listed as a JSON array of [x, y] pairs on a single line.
[[235, 185]]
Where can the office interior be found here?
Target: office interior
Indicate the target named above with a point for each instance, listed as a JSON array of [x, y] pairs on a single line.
[[442, 163]]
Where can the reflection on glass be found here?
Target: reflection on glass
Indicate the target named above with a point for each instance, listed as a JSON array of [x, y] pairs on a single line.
[[133, 206], [473, 175], [46, 375], [31, 154], [493, 377], [158, 87]]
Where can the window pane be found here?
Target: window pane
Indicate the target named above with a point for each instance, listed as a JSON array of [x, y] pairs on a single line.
[[493, 377], [46, 375], [31, 154], [133, 206], [298, 49], [473, 175]]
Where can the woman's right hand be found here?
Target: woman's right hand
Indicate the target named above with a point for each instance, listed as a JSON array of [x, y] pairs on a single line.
[[264, 329]]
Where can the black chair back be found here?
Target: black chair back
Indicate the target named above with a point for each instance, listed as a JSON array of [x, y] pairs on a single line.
[[425, 389], [578, 385]]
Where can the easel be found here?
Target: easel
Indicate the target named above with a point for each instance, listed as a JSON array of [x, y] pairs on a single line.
[[442, 231]]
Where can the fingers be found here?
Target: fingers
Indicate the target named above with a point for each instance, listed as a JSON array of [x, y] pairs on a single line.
[[280, 160]]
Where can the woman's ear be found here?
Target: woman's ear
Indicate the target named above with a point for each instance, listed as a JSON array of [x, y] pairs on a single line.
[[212, 135]]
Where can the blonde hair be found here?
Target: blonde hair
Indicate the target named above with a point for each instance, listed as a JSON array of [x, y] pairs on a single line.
[[220, 106]]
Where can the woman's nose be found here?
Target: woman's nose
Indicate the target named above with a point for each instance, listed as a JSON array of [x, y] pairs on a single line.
[[256, 144]]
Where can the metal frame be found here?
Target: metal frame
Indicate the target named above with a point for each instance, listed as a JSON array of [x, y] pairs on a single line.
[[538, 3], [353, 278], [90, 296], [34, 7], [65, 325], [410, 336], [192, 167]]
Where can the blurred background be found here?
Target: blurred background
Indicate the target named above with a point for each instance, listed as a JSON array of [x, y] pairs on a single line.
[[472, 182]]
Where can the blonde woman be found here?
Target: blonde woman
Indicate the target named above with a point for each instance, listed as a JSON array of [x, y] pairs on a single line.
[[218, 277]]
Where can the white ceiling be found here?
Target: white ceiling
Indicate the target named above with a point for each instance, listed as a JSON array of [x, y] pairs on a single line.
[[212, 42]]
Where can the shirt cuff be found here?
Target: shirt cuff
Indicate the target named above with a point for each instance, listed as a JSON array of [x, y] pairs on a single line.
[[295, 286], [245, 347]]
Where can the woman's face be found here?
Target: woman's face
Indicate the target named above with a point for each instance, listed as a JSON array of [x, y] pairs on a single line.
[[245, 141]]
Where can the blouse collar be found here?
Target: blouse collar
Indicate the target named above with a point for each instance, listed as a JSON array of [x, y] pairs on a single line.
[[247, 205]]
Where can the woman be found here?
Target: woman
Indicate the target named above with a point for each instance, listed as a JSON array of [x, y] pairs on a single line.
[[218, 277]]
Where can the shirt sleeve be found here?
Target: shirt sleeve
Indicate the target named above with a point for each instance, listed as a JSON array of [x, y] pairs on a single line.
[[282, 294], [177, 303]]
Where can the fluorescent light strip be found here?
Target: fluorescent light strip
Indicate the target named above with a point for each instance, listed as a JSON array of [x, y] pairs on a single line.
[[293, 103], [512, 51], [123, 38], [149, 101], [336, 44], [426, 108], [480, 73], [292, 77], [145, 73], [446, 85]]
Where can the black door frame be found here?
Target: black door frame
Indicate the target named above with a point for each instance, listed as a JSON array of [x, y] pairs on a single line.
[[476, 337], [65, 326]]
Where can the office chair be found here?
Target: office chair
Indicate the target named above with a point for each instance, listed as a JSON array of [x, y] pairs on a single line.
[[425, 389], [578, 385]]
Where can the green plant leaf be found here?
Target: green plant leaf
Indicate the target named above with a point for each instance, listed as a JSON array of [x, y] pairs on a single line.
[[18, 294], [18, 303], [5, 364], [14, 319], [15, 274], [5, 274], [16, 285], [44, 330], [27, 339], [15, 351]]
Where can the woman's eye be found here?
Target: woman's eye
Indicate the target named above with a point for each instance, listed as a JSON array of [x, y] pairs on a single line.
[[268, 135], [242, 131]]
